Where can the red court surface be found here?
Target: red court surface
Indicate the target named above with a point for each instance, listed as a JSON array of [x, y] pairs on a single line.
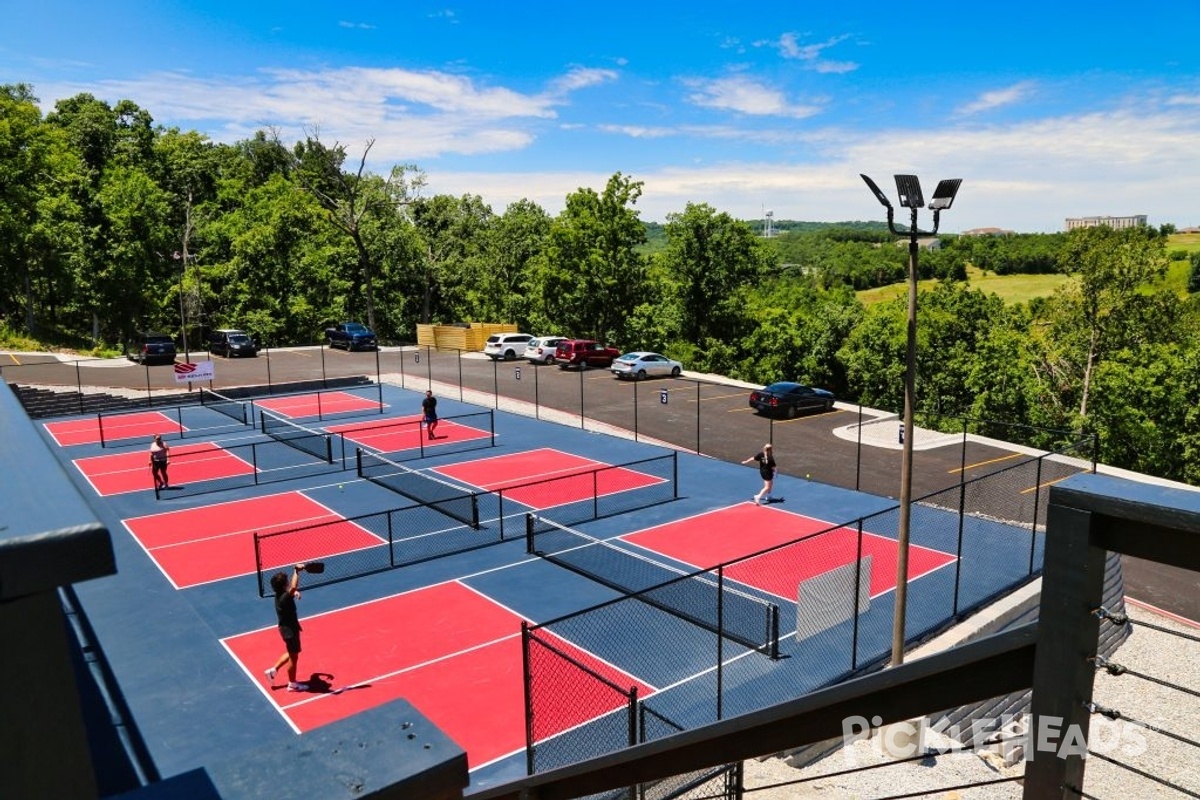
[[201, 545], [316, 405], [130, 472], [557, 477], [404, 433], [722, 536], [450, 651], [141, 424]]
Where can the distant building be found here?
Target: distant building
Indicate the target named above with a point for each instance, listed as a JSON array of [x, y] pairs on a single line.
[[1133, 221], [988, 232]]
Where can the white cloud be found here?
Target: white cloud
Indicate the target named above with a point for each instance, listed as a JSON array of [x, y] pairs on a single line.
[[790, 48], [356, 25], [1025, 177], [746, 96], [582, 78], [997, 98]]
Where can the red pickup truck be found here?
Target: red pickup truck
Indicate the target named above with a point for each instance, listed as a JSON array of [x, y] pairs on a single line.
[[584, 353]]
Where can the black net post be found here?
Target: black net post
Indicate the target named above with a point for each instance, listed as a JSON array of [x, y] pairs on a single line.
[[258, 566], [528, 689]]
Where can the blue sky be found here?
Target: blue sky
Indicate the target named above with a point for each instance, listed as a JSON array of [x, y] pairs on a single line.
[[1045, 110]]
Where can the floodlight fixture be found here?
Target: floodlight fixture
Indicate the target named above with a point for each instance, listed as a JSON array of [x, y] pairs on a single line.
[[879, 195], [909, 189], [945, 193]]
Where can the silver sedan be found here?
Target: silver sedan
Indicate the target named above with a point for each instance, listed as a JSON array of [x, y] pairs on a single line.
[[643, 365]]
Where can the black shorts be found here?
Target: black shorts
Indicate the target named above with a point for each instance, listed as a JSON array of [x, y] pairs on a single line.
[[291, 640]]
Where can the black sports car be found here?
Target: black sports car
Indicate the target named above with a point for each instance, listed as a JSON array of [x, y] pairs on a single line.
[[788, 399]]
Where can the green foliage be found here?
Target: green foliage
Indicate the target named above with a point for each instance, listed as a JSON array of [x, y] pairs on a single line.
[[1193, 284]]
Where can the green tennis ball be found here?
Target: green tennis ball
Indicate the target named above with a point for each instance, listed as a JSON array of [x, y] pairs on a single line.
[[807, 476], [341, 488]]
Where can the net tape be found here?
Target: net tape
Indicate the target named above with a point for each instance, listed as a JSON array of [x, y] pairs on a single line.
[[235, 409], [306, 440]]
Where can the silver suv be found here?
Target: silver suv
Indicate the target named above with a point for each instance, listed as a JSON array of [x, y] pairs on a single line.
[[541, 350], [506, 346]]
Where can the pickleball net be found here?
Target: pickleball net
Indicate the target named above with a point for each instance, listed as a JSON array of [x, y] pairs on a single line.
[[703, 598], [239, 410], [306, 440], [454, 501]]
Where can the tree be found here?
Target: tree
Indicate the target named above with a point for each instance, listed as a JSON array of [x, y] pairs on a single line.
[[1112, 265], [591, 275], [711, 259], [351, 198], [453, 232], [515, 241], [36, 207]]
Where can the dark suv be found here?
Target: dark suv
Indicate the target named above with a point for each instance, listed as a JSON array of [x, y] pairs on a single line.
[[231, 344], [152, 348]]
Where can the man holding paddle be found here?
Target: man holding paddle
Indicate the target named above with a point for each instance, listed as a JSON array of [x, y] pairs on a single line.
[[287, 592]]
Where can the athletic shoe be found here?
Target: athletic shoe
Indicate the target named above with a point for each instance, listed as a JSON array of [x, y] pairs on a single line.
[[271, 675], [297, 687]]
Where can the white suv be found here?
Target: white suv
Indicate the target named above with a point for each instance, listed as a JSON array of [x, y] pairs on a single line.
[[541, 350], [506, 345]]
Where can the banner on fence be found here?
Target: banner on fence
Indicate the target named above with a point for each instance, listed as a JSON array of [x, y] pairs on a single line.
[[200, 371]]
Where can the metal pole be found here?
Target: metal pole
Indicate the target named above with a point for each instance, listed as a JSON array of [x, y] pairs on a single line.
[[910, 380]]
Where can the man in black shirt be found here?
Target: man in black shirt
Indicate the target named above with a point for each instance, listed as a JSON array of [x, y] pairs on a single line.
[[429, 406], [287, 592]]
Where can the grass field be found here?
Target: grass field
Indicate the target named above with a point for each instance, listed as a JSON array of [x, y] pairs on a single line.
[[1013, 289]]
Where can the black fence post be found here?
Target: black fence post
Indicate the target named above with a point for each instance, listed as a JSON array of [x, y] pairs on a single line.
[[858, 452], [857, 591], [720, 640], [962, 512], [1037, 492], [582, 427], [697, 417], [675, 474], [79, 386], [459, 355], [324, 378]]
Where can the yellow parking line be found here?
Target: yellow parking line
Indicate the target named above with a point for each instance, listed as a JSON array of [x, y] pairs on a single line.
[[1044, 485], [984, 463], [722, 396], [13, 356]]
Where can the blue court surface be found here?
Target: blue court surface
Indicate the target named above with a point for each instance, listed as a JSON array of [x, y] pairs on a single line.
[[429, 577]]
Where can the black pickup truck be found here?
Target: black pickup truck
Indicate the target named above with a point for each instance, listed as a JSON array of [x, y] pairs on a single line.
[[351, 336]]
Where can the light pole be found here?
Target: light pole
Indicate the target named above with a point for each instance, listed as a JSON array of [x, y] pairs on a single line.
[[909, 190]]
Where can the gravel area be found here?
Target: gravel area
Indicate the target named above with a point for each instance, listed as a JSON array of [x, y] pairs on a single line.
[[1163, 656]]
